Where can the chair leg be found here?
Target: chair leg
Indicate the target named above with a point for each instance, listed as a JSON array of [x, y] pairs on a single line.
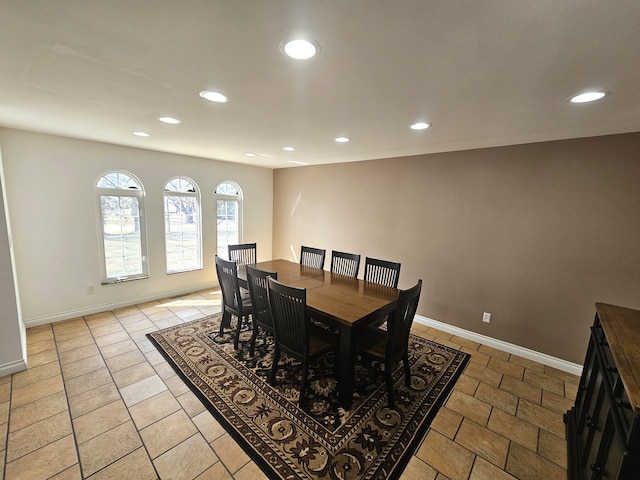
[[303, 386], [238, 328], [254, 334], [407, 370], [274, 366], [388, 374], [225, 322]]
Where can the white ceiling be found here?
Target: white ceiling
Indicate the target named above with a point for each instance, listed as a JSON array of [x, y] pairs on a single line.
[[484, 73]]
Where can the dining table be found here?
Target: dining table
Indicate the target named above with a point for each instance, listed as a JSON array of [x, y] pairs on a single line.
[[350, 304]]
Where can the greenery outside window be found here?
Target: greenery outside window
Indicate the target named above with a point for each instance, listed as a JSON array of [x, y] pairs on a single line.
[[121, 202], [183, 242]]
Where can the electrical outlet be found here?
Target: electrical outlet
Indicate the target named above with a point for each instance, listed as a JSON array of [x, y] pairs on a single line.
[[486, 317], [91, 289]]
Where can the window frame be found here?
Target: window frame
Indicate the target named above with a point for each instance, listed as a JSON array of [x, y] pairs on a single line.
[[238, 198], [137, 192], [195, 194]]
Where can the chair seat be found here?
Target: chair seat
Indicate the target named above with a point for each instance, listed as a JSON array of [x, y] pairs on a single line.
[[246, 302], [318, 345], [247, 307], [373, 342], [321, 339]]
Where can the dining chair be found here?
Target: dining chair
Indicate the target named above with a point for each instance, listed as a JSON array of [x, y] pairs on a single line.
[[243, 253], [392, 345], [261, 317], [346, 264], [295, 335], [381, 272], [312, 257], [234, 303]]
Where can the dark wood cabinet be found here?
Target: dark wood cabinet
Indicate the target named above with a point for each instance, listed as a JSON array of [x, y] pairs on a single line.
[[603, 427]]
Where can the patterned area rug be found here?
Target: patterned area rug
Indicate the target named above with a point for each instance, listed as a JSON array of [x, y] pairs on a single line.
[[323, 441]]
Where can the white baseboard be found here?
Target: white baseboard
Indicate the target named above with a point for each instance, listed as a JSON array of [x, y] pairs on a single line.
[[543, 358], [13, 367], [60, 316]]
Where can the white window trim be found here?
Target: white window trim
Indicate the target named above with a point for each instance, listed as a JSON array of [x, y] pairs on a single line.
[[240, 199], [173, 193], [120, 192]]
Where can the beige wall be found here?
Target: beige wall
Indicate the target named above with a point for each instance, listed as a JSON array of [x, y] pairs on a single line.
[[534, 234], [50, 190]]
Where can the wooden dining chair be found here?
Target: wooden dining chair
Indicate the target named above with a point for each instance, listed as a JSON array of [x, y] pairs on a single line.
[[312, 257], [261, 317], [295, 335], [346, 264], [382, 272], [392, 345], [234, 303], [243, 253]]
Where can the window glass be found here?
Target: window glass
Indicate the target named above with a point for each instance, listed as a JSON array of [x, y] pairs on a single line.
[[183, 242], [118, 180], [121, 200], [229, 217], [227, 188]]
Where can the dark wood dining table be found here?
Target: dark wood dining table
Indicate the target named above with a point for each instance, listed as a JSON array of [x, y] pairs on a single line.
[[348, 303]]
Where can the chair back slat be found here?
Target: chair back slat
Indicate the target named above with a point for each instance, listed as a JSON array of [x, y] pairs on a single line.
[[382, 272], [399, 323], [288, 308], [312, 257], [228, 280], [346, 264], [258, 286], [243, 253]]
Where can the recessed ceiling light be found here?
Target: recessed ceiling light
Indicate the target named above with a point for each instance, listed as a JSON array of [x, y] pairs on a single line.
[[420, 126], [300, 49], [170, 120], [588, 97], [214, 96], [342, 139], [141, 134], [288, 149], [249, 154]]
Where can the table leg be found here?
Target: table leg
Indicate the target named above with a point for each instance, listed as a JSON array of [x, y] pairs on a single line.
[[347, 366]]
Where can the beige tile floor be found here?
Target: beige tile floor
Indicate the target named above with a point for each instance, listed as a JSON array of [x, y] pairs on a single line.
[[99, 402]]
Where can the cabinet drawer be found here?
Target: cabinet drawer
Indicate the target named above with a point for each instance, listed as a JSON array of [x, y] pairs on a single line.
[[628, 419], [607, 356], [607, 455], [610, 456], [625, 418]]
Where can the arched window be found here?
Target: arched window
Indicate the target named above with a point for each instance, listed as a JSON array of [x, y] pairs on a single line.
[[229, 217], [183, 242], [121, 199]]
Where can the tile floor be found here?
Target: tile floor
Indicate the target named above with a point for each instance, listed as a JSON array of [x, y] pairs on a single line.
[[98, 401]]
